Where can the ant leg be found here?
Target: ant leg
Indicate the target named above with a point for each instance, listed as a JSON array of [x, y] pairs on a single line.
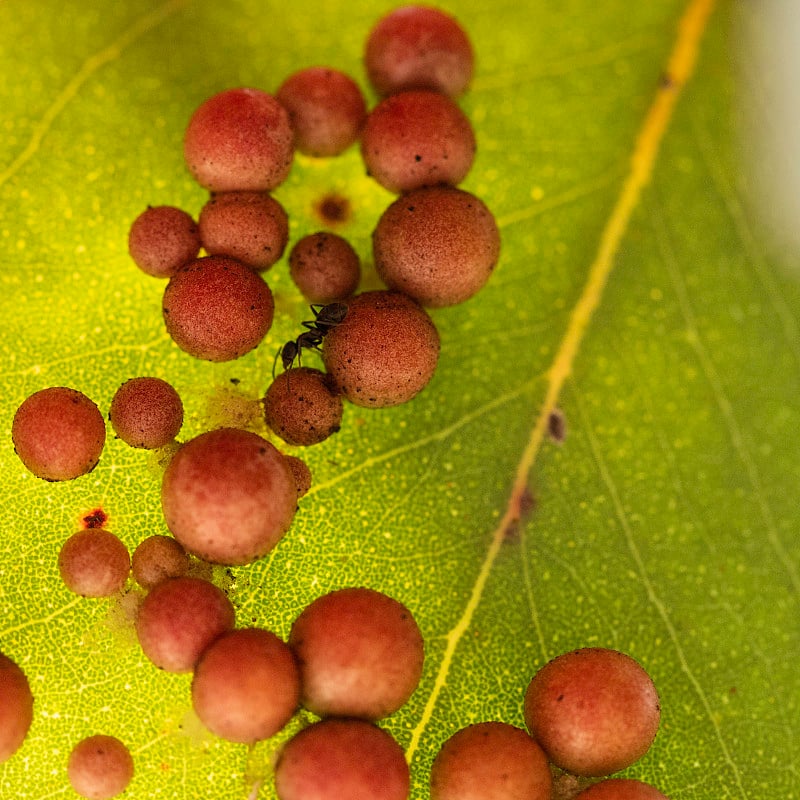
[[275, 361]]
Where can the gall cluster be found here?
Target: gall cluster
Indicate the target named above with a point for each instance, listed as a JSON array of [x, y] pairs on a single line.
[[355, 655]]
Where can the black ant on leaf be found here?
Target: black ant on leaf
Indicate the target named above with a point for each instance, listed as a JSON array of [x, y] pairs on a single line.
[[325, 317]]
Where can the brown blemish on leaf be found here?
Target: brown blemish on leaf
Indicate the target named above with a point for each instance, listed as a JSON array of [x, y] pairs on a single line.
[[231, 406], [525, 506], [511, 533], [557, 425], [333, 209], [94, 519], [121, 616]]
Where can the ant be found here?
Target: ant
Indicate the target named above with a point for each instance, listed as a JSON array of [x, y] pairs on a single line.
[[325, 317]]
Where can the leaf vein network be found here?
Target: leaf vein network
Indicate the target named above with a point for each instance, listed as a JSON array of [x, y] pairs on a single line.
[[46, 620]]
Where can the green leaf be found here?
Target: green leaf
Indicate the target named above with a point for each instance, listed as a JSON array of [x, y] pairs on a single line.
[[634, 295]]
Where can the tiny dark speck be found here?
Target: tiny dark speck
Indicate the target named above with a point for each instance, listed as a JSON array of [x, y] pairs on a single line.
[[559, 698], [417, 158]]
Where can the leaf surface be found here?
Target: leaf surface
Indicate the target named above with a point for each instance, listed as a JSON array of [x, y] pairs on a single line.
[[634, 299]]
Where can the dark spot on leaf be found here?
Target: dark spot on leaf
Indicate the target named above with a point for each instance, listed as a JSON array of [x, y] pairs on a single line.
[[527, 503], [511, 533], [333, 209], [95, 519], [667, 81], [557, 426]]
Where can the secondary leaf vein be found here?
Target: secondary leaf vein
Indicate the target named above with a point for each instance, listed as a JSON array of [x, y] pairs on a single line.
[[725, 407], [734, 207], [89, 67], [649, 589], [439, 436], [568, 197]]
